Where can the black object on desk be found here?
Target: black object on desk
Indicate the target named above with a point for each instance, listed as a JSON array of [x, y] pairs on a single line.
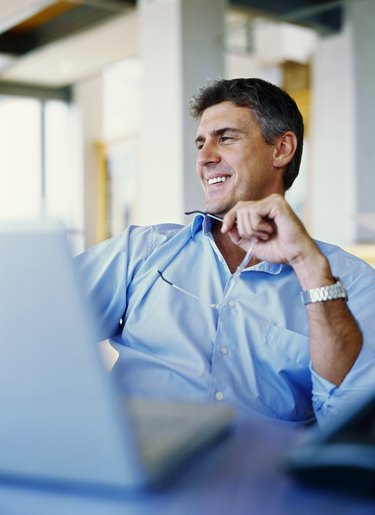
[[342, 456]]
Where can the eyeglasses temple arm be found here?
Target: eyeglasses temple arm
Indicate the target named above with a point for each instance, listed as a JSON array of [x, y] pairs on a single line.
[[204, 213], [164, 279], [181, 289]]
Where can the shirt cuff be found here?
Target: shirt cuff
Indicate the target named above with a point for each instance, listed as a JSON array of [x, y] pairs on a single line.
[[330, 401]]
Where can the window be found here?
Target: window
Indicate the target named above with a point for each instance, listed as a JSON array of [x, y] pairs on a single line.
[[39, 163]]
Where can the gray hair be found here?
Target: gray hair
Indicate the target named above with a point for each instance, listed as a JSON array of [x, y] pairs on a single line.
[[275, 111]]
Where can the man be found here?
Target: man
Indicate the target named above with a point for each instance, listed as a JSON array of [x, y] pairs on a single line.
[[187, 327]]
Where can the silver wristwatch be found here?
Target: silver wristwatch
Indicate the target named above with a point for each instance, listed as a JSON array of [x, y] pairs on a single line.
[[324, 293]]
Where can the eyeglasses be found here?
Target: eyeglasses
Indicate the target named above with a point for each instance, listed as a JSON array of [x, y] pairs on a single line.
[[235, 277], [197, 212]]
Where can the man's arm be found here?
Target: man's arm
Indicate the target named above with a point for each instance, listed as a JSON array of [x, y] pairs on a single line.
[[280, 237], [335, 338]]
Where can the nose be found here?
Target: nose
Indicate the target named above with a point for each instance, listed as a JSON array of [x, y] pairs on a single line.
[[208, 154]]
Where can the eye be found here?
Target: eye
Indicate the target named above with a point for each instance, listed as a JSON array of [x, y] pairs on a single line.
[[226, 139]]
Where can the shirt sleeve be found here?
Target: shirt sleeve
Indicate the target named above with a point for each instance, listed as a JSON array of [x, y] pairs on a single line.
[[329, 400], [106, 270]]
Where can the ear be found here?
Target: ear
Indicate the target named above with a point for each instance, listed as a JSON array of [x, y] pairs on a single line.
[[284, 150]]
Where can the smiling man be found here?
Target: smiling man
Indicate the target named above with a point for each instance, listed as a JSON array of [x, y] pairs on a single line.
[[234, 161], [294, 336]]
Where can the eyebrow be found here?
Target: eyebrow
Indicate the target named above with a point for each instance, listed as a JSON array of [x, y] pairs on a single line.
[[219, 132]]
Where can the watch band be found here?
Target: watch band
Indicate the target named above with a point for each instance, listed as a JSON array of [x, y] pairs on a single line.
[[324, 293]]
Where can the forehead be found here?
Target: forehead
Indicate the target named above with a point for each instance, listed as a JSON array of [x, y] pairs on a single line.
[[225, 114]]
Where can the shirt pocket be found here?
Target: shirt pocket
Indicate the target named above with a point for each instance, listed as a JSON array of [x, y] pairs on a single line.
[[284, 358], [291, 348]]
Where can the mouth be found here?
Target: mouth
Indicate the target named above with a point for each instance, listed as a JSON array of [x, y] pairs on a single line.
[[218, 179]]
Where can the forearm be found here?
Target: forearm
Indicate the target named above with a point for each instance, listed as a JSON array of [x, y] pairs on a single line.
[[335, 338], [278, 236]]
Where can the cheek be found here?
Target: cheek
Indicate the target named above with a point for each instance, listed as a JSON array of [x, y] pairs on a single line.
[[199, 173]]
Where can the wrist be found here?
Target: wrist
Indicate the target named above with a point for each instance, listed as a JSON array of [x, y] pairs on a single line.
[[313, 271], [325, 293]]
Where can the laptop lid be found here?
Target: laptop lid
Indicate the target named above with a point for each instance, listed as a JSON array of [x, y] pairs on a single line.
[[62, 418]]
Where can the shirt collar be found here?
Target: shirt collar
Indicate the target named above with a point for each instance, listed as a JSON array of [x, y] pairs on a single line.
[[205, 223], [269, 268], [201, 222]]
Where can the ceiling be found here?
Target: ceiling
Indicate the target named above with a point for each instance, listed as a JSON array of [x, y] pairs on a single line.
[[50, 43], [323, 15], [51, 21]]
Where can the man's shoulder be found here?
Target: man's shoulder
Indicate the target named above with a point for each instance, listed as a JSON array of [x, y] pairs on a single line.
[[346, 265], [167, 228], [159, 233], [144, 240], [331, 250], [138, 239]]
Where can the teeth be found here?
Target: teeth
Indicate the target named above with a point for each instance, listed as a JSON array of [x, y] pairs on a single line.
[[217, 179]]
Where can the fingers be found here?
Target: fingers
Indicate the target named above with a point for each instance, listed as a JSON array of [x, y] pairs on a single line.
[[252, 224], [270, 223], [248, 222], [229, 220], [242, 242]]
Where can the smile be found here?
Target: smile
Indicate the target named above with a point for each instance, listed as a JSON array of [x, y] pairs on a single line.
[[215, 180]]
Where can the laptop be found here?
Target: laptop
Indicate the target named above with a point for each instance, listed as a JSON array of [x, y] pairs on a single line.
[[62, 419]]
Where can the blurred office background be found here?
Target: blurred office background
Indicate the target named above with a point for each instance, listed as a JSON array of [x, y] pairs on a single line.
[[94, 95]]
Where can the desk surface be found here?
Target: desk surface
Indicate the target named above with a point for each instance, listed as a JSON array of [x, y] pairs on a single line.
[[240, 476]]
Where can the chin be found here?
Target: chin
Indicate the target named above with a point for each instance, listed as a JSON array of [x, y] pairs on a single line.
[[213, 208], [217, 209]]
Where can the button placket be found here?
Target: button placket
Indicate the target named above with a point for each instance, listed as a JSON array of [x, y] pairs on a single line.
[[221, 350]]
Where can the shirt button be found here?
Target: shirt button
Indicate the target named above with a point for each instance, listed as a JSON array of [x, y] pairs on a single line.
[[232, 303], [219, 396], [224, 350]]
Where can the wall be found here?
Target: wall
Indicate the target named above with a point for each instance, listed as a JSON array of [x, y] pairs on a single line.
[[332, 183]]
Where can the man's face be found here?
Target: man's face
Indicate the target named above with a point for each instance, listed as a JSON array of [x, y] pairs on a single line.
[[234, 161]]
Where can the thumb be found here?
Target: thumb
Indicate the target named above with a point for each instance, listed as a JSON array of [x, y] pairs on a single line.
[[229, 221]]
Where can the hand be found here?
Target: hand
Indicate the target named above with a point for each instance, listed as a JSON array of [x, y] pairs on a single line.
[[276, 232]]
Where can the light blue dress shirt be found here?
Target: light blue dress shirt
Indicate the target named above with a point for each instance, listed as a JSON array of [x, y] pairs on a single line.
[[252, 352]]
